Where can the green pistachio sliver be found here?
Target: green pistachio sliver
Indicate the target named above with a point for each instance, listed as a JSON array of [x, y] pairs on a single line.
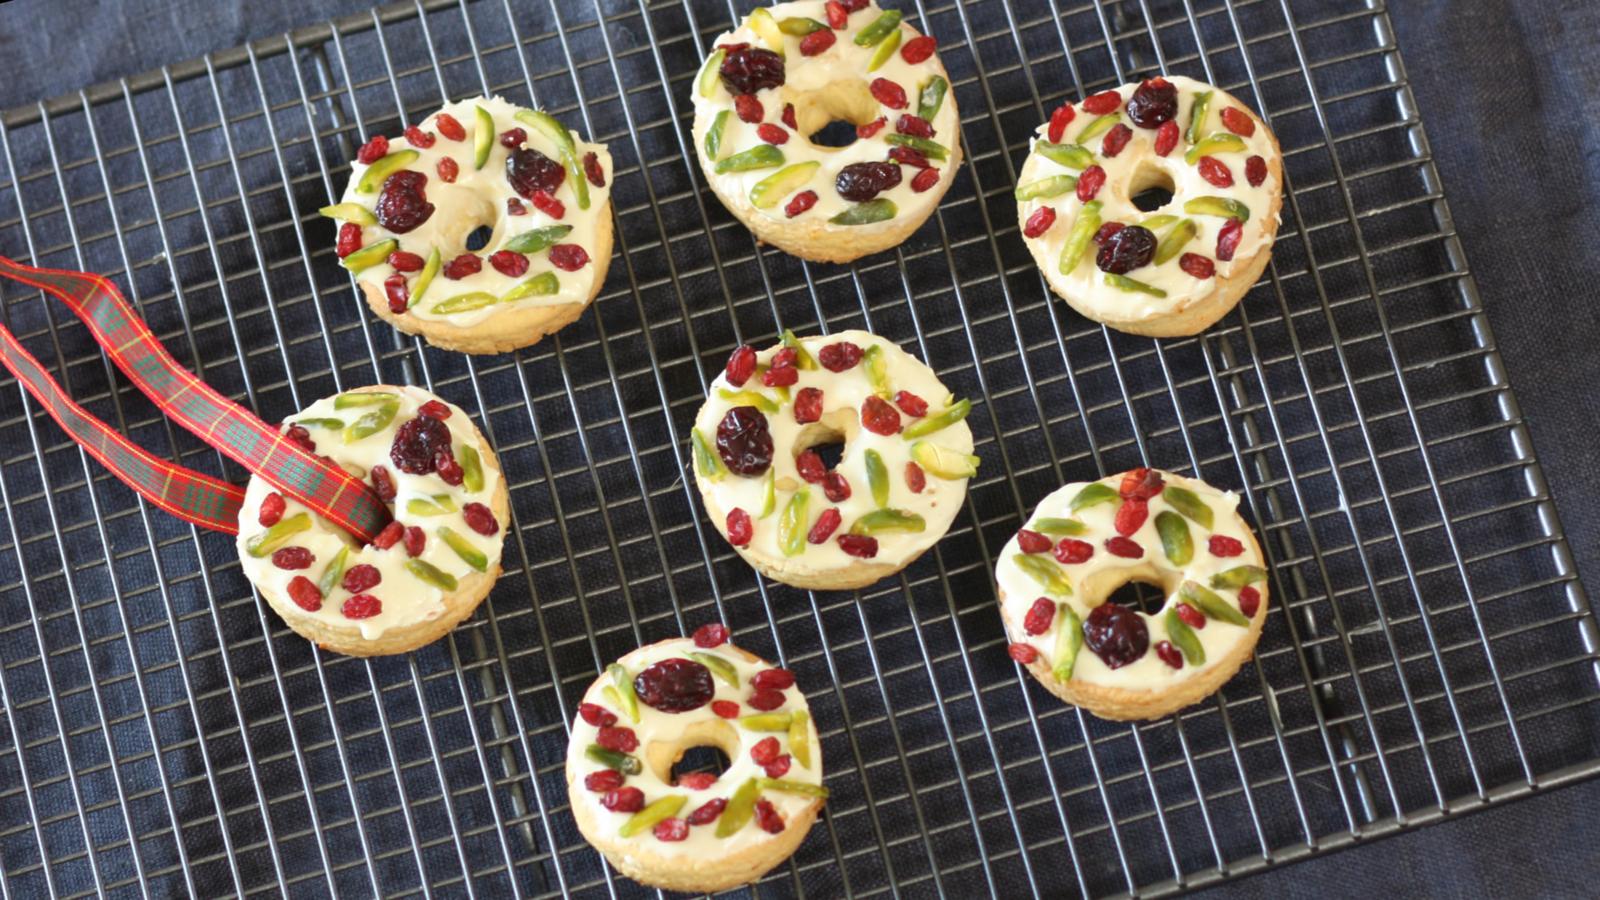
[[624, 686], [1045, 571], [740, 809], [370, 255], [1091, 495], [769, 492], [793, 523], [718, 666], [331, 424], [803, 360], [764, 722], [354, 399], [1174, 240], [417, 506], [1184, 638], [541, 285], [482, 137], [445, 502], [1189, 503], [471, 468], [878, 29], [931, 149], [768, 191], [706, 460], [646, 819], [425, 277], [1226, 207], [1176, 541], [275, 537], [1070, 155], [612, 759], [877, 478], [889, 521], [761, 156], [1238, 577], [939, 421], [1056, 526], [427, 573], [1069, 640], [467, 302], [536, 239], [1078, 239], [371, 422], [375, 174], [1099, 126], [877, 369], [713, 139], [711, 73], [1045, 188], [334, 571], [1221, 142], [1156, 223], [1197, 116], [549, 126], [942, 462], [931, 97], [799, 26], [610, 693], [766, 28], [1124, 283], [792, 787], [880, 209], [885, 50], [349, 212], [749, 398], [469, 554], [1210, 603], [800, 738]]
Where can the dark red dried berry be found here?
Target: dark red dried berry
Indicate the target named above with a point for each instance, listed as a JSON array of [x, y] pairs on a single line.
[[448, 470], [1154, 103], [774, 678], [780, 376], [866, 131], [1032, 542], [1130, 515], [747, 69], [361, 606], [373, 150], [836, 487], [1249, 601], [765, 700], [741, 365], [911, 404], [1059, 120], [916, 479], [810, 466], [739, 528], [1107, 230], [1039, 222], [1102, 103], [788, 117], [509, 263], [1128, 249], [528, 171], [449, 127], [592, 169], [1127, 548], [1116, 634], [744, 441], [273, 505], [1228, 239], [1072, 551], [674, 685], [1223, 546], [513, 138], [748, 108], [362, 577], [1215, 172], [855, 5], [401, 261], [909, 156], [808, 405], [916, 126], [603, 780], [779, 767], [726, 709], [1169, 654], [568, 257], [697, 781], [416, 541], [918, 49], [825, 526], [398, 295], [434, 409], [671, 830], [402, 202], [448, 169], [623, 800], [300, 437], [1238, 121], [765, 751], [416, 444], [480, 519], [514, 207], [840, 356], [419, 138], [838, 16], [1115, 139], [349, 239], [293, 558], [546, 203], [305, 593], [711, 634], [389, 536], [1166, 137], [861, 546], [878, 417], [622, 740], [859, 182], [1039, 617], [800, 203], [707, 812], [1191, 617], [1255, 170], [1199, 266], [924, 180], [464, 266], [817, 42], [1141, 483], [888, 93], [1090, 182], [1022, 653], [596, 715]]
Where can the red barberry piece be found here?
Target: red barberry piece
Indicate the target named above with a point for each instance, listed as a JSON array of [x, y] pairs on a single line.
[[1130, 515], [765, 700], [708, 812], [727, 709], [1224, 546], [402, 261], [623, 800], [373, 150], [622, 740], [397, 293], [780, 376], [1228, 239], [888, 93], [1107, 230], [272, 507], [1141, 483], [810, 466], [568, 257], [1039, 222], [839, 357], [1237, 121], [1249, 601], [765, 750], [419, 138], [924, 180], [1090, 182], [800, 203], [767, 817], [546, 203], [918, 49], [711, 634], [300, 437], [911, 404], [739, 527], [1072, 551], [871, 128], [434, 409], [480, 519], [838, 16], [825, 526], [1039, 617], [916, 479], [449, 127], [450, 471], [808, 405], [914, 125], [448, 169], [861, 546], [1191, 617], [1215, 172], [349, 239], [514, 207], [361, 606], [909, 156], [1255, 170], [383, 484], [603, 780], [878, 417], [596, 715], [1059, 120], [1117, 545], [775, 678], [817, 42], [1166, 137], [779, 767], [361, 578], [305, 593], [697, 781], [509, 263], [1032, 542], [788, 117], [1115, 140], [1199, 266], [741, 365], [416, 541], [463, 266], [389, 536], [1102, 103], [1022, 653], [836, 487], [785, 358], [774, 134], [748, 108], [293, 558], [592, 169], [1169, 654], [513, 139]]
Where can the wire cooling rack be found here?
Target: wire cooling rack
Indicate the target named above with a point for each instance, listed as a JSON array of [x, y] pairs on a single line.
[[1430, 649]]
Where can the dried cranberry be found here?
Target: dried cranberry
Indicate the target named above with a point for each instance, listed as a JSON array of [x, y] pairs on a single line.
[[1224, 546], [726, 709], [568, 257], [838, 16], [1255, 170], [909, 156], [918, 49], [1169, 654], [1116, 634], [739, 527], [916, 126], [596, 715], [1228, 239], [862, 181], [839, 357], [866, 131], [836, 487], [389, 536], [416, 443], [825, 526], [1107, 230], [779, 767], [513, 138], [1127, 548], [878, 417], [622, 740], [1142, 483], [546, 203], [855, 5], [1197, 265], [402, 202], [349, 239], [708, 811], [305, 593], [448, 169], [800, 203], [373, 150], [1039, 617], [1153, 103], [916, 479], [788, 117], [480, 519], [746, 70], [764, 751], [711, 634], [292, 558], [272, 507], [416, 541], [925, 179], [1115, 139], [671, 829], [774, 678], [808, 405], [1130, 515], [300, 437], [1032, 541], [817, 42], [1059, 120], [1166, 137], [1215, 172], [861, 546], [1022, 653], [785, 358], [765, 700], [1249, 601], [674, 685], [449, 471], [697, 781], [359, 578], [463, 266], [592, 169], [434, 409], [741, 365], [1102, 103], [401, 261], [911, 404], [1191, 617], [514, 207], [748, 108], [888, 93], [1237, 121], [1072, 551], [744, 441], [399, 296], [811, 467], [780, 376], [1128, 249], [623, 800], [1039, 222], [509, 263], [419, 138], [1090, 182], [529, 171], [449, 127], [361, 606], [603, 780]]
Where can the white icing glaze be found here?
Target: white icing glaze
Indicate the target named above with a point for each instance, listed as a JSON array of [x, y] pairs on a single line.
[[1086, 282], [843, 392], [655, 725], [406, 600], [478, 197], [1096, 578], [843, 61]]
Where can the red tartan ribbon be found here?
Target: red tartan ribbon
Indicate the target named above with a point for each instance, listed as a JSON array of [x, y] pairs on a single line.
[[315, 481]]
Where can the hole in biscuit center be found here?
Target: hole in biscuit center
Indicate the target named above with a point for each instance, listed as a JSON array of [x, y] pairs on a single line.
[[704, 760], [828, 115], [828, 436], [703, 746], [1146, 597], [478, 238], [1150, 188]]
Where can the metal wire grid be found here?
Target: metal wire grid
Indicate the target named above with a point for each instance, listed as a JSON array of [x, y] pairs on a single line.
[[163, 733]]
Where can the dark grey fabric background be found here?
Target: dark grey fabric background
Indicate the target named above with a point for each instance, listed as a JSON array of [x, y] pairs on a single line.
[[1510, 94]]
